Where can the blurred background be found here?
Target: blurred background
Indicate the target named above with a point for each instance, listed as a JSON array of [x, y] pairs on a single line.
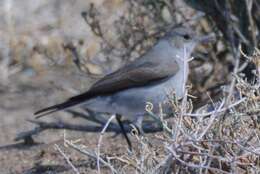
[[53, 49]]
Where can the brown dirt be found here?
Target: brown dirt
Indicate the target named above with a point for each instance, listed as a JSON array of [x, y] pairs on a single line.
[[18, 102]]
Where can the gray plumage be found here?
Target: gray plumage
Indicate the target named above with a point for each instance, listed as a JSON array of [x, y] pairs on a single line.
[[150, 78]]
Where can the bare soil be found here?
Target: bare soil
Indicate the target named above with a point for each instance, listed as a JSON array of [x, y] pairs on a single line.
[[19, 100]]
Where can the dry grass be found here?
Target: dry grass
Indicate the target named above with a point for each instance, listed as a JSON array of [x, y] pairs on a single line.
[[222, 137]]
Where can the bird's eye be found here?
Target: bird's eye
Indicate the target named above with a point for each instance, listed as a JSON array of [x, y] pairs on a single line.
[[186, 37]]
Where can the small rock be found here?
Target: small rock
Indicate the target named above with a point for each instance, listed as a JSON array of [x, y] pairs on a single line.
[[166, 15], [94, 69]]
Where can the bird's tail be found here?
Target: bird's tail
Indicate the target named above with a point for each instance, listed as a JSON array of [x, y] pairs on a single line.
[[55, 108]]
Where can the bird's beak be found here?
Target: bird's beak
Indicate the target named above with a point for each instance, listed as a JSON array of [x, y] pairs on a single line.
[[206, 39]]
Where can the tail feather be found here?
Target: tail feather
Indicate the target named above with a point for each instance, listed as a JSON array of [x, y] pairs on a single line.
[[55, 108]]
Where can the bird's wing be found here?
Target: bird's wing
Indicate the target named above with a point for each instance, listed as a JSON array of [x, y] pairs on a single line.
[[138, 73], [131, 76]]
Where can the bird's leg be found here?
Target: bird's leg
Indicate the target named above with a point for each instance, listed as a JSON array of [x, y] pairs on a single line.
[[118, 118], [138, 124]]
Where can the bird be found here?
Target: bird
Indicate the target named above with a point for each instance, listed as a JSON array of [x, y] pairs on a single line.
[[149, 78]]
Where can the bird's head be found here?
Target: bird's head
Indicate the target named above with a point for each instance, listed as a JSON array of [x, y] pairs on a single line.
[[184, 39]]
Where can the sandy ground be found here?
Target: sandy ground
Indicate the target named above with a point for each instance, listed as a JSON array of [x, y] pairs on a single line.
[[18, 102], [32, 34]]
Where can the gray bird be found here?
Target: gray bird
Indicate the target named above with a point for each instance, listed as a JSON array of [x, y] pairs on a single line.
[[150, 78]]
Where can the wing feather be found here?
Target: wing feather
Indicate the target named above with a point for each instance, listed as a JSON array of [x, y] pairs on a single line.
[[149, 69]]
